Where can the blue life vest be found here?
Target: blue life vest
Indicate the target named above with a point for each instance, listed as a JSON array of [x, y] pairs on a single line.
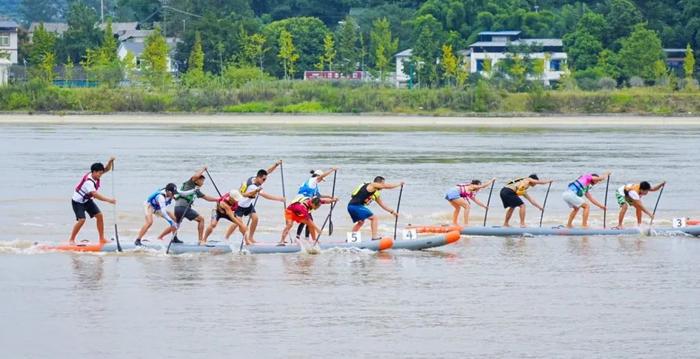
[[307, 191], [153, 199]]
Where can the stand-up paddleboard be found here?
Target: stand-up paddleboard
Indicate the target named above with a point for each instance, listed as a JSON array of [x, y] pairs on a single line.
[[425, 242], [563, 231], [217, 248]]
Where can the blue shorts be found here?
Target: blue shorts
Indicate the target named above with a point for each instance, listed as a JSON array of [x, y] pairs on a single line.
[[453, 194], [359, 212]]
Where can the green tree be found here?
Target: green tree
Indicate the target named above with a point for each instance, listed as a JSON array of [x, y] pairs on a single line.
[[582, 49], [639, 52], [328, 52], [81, 34], [622, 16], [288, 54], [384, 46], [449, 65], [45, 68], [154, 60], [195, 76], [660, 72], [43, 42], [68, 72], [689, 62], [255, 49], [109, 43], [608, 64], [428, 35], [308, 34], [347, 49], [40, 10]]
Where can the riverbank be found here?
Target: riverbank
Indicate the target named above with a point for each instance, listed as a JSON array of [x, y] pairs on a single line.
[[339, 98], [338, 120]]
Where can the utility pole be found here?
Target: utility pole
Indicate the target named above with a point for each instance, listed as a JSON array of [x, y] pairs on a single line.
[[102, 12]]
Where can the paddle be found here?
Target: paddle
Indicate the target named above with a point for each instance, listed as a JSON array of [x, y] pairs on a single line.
[[398, 205], [284, 196], [212, 182], [184, 214], [605, 204], [544, 205], [653, 214], [114, 213], [330, 213], [488, 202], [248, 224]]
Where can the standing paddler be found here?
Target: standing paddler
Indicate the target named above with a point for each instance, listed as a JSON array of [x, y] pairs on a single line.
[[189, 191], [155, 205], [299, 211], [250, 190], [309, 189], [631, 195], [226, 209], [82, 200], [461, 195], [362, 197], [510, 196], [574, 195]]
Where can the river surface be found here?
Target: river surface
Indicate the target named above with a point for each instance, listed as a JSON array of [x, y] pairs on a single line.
[[488, 297]]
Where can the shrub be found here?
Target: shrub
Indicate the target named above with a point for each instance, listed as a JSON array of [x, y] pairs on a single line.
[[250, 107], [636, 81], [16, 101], [235, 77], [305, 107], [607, 83]]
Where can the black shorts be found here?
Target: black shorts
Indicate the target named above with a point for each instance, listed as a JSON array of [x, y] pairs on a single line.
[[244, 211], [191, 214], [218, 216], [510, 199], [80, 208]]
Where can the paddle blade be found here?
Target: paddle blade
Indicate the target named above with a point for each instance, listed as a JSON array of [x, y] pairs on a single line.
[[330, 228]]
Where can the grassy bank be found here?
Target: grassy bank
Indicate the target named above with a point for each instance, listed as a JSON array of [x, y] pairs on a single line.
[[314, 97]]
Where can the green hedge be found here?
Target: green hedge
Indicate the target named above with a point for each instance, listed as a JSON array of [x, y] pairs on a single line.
[[337, 97]]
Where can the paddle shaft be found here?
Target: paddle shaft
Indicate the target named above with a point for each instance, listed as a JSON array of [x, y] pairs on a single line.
[[114, 212], [605, 203], [488, 203], [212, 182], [284, 198], [398, 206], [544, 205], [653, 214], [328, 217], [330, 213]]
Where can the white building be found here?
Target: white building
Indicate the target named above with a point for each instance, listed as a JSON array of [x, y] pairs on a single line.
[[494, 46], [134, 42], [8, 40]]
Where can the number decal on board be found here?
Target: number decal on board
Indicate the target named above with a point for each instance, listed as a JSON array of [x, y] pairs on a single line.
[[354, 237], [410, 234], [679, 222]]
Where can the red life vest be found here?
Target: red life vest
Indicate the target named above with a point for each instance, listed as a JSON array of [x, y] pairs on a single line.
[[225, 198], [79, 187]]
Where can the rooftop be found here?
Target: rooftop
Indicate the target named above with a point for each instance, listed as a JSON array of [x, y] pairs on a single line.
[[8, 24], [57, 27], [541, 42], [134, 33], [500, 33], [404, 53]]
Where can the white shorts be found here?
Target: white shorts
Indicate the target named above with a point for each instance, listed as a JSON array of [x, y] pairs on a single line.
[[572, 199], [149, 210]]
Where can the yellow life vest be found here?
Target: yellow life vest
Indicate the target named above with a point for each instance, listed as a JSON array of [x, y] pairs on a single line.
[[517, 186]]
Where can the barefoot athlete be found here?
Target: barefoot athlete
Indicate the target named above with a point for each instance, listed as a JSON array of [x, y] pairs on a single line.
[[510, 196], [574, 193], [82, 200], [183, 204], [225, 209], [251, 189], [155, 205], [631, 195], [461, 195], [310, 189], [300, 211], [362, 196]]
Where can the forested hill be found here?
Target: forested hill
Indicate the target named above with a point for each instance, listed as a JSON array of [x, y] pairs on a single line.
[[594, 32]]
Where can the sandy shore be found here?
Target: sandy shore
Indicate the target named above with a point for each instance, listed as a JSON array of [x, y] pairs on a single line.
[[354, 120]]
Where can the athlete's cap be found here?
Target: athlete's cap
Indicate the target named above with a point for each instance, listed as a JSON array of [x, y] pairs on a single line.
[[235, 195], [317, 173], [171, 187]]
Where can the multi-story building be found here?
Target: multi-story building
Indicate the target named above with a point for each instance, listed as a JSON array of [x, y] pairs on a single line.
[[8, 40]]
